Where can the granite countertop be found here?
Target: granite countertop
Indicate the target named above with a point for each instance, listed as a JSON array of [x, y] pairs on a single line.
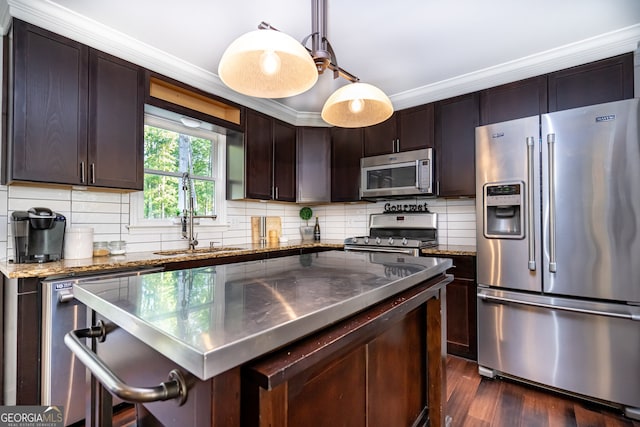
[[450, 250], [210, 319], [135, 260]]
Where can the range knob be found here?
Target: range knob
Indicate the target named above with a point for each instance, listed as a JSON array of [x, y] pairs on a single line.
[[366, 240], [354, 240], [377, 240], [405, 242], [391, 240]]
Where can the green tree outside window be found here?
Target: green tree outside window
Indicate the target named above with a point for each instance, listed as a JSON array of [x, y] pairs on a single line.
[[167, 154]]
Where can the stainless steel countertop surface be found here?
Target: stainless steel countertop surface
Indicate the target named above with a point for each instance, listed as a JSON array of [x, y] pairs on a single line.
[[211, 319]]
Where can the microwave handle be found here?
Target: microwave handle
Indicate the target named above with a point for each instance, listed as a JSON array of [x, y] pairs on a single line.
[[419, 177]]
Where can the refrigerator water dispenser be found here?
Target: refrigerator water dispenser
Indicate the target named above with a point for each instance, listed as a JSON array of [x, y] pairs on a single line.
[[504, 210]]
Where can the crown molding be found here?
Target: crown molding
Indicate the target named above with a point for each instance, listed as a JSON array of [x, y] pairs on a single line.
[[5, 17], [65, 22], [53, 17], [600, 47]]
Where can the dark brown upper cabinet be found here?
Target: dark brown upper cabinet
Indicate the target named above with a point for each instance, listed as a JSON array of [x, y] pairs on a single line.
[[75, 116], [406, 130], [456, 120], [594, 83], [270, 158], [515, 100], [347, 149], [284, 157], [116, 122], [258, 156]]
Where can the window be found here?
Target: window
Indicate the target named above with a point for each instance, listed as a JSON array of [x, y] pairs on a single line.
[[171, 149]]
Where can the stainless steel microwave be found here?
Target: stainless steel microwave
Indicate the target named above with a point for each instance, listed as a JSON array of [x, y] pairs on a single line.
[[408, 173]]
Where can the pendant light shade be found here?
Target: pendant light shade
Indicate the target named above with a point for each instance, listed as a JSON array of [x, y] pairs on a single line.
[[270, 64], [267, 63], [357, 105]]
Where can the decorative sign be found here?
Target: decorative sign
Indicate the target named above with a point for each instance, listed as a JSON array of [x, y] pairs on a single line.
[[389, 208]]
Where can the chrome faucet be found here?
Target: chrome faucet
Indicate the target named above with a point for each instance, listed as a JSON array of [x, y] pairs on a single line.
[[188, 212]]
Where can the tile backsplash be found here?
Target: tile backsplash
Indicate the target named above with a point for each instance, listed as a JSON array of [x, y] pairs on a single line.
[[109, 214]]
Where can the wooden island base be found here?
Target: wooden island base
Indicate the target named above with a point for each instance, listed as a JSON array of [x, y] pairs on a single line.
[[382, 367]]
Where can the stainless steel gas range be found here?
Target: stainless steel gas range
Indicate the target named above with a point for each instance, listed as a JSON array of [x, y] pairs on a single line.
[[405, 233]]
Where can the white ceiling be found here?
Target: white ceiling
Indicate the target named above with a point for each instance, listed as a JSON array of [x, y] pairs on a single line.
[[416, 51]]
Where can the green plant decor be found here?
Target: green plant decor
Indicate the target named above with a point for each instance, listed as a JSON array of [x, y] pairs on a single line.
[[306, 213]]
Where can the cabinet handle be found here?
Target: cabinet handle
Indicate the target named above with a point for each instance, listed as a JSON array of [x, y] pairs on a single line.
[[92, 172], [276, 191], [398, 145], [82, 177]]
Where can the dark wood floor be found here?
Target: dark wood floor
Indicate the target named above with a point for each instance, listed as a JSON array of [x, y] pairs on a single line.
[[125, 418], [475, 401]]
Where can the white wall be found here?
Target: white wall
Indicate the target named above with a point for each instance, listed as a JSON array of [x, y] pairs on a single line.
[[108, 213]]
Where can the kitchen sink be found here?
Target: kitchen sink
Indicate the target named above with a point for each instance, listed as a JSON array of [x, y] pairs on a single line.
[[197, 251]]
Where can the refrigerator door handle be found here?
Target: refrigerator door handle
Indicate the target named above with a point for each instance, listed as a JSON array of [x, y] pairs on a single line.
[[530, 221], [551, 140], [501, 300]]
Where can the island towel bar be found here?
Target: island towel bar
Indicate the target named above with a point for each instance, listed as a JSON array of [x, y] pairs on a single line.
[[174, 388]]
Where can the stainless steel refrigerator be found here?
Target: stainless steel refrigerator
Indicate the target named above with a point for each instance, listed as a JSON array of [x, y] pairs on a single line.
[[558, 251]]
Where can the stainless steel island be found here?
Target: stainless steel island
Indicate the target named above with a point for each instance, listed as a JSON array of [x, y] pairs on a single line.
[[222, 330]]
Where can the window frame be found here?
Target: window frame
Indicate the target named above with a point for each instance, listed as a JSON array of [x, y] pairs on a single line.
[[136, 218]]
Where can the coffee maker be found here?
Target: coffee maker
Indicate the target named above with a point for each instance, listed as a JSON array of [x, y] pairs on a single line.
[[38, 235]]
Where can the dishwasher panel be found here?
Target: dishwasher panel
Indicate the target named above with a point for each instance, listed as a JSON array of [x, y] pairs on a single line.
[[64, 379]]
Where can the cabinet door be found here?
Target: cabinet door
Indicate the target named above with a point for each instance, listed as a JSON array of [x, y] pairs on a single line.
[[461, 308], [259, 156], [415, 127], [381, 138], [284, 161], [27, 353], [456, 120], [49, 107], [346, 151], [314, 164], [461, 319], [515, 100], [594, 83], [115, 148]]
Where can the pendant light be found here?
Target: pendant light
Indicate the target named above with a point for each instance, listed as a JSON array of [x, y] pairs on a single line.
[[270, 64], [357, 105], [267, 63]]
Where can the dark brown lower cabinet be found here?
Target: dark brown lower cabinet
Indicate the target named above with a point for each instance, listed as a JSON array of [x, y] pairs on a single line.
[[381, 368], [461, 308], [22, 305]]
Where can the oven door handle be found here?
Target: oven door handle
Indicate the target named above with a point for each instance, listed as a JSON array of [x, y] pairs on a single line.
[[174, 388], [389, 250]]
